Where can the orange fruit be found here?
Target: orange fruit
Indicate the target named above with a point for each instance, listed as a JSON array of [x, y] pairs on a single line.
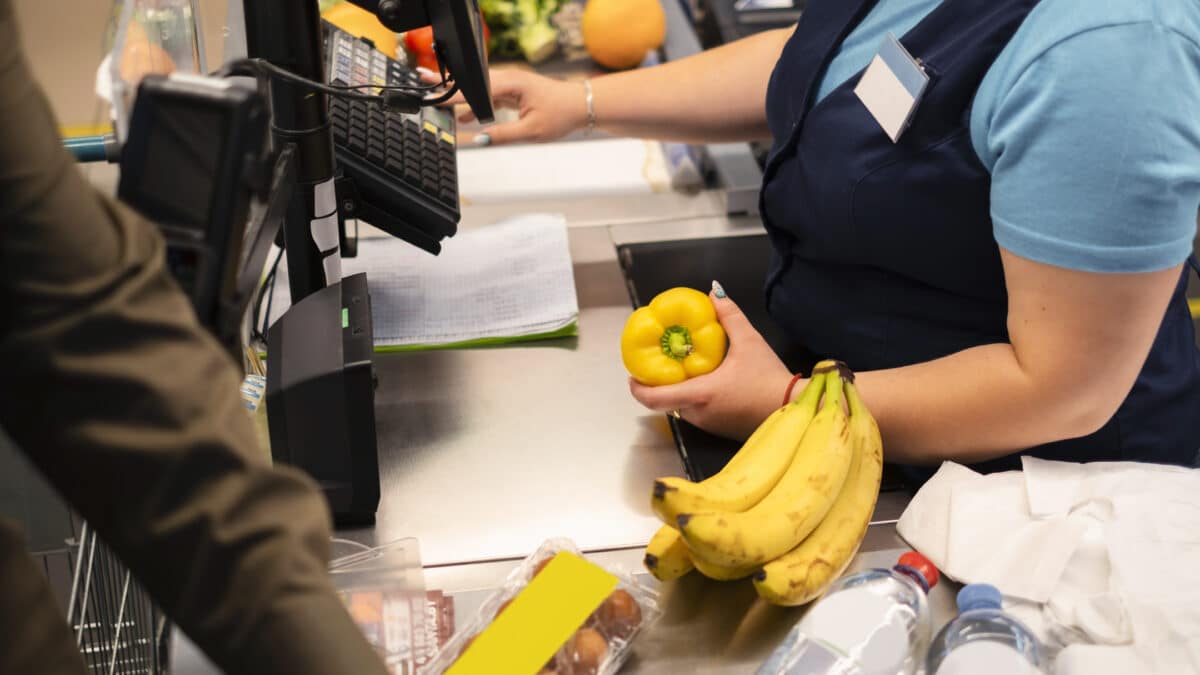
[[618, 33]]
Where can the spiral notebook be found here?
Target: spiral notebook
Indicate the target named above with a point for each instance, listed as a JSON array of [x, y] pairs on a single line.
[[506, 282]]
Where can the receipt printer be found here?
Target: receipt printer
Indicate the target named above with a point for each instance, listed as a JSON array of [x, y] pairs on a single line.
[[321, 396]]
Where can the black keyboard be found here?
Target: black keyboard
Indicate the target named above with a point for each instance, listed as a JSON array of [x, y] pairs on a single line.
[[402, 166]]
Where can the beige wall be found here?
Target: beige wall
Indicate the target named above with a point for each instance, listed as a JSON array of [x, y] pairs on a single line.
[[64, 41]]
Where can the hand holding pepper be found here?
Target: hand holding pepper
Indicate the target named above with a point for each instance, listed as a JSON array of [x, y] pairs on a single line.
[[735, 397]]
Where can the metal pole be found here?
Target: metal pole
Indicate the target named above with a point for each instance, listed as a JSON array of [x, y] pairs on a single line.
[[288, 34]]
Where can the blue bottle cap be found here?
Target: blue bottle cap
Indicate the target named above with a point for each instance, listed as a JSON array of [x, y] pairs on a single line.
[[978, 596]]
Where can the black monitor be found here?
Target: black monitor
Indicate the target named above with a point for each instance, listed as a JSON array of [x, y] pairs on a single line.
[[193, 161], [458, 36]]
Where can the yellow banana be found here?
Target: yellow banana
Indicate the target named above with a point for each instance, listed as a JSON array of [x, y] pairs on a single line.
[[793, 508], [804, 573], [667, 558], [720, 573], [751, 473], [667, 555]]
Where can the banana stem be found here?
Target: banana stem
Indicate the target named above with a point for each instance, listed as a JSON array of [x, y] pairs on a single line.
[[812, 393], [829, 365], [856, 404], [833, 387]]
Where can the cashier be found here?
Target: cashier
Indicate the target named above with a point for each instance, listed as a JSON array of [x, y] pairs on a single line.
[[130, 409], [1009, 275]]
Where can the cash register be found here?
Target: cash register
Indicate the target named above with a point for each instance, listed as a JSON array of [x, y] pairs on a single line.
[[343, 132], [370, 143]]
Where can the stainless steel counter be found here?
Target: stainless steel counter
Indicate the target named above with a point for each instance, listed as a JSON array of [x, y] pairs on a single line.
[[485, 453]]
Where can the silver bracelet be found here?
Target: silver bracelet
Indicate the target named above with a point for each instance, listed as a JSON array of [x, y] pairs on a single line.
[[591, 110]]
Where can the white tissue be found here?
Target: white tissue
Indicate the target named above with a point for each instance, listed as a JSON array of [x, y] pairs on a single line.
[[1101, 561]]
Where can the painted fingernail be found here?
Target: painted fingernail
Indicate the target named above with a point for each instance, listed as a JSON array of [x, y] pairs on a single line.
[[717, 289], [425, 71], [483, 139]]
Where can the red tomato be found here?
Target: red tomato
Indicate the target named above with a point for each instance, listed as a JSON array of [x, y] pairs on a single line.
[[419, 43]]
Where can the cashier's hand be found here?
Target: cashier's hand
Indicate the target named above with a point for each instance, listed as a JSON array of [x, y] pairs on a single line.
[[735, 398], [548, 109]]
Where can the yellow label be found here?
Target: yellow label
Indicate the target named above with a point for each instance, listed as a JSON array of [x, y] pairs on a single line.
[[448, 138], [1194, 304], [85, 130], [540, 619], [431, 128]]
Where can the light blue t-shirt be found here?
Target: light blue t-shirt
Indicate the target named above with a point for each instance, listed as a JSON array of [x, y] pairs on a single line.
[[1089, 122]]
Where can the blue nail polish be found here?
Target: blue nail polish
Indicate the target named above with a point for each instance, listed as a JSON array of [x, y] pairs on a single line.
[[718, 290], [483, 139]]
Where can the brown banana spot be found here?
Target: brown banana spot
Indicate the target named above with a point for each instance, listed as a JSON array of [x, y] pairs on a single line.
[[651, 561], [661, 489]]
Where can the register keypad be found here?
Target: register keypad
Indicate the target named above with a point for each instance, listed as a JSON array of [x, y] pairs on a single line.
[[403, 164]]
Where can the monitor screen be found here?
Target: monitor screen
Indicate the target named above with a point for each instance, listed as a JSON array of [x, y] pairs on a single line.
[[172, 161], [458, 24], [181, 136]]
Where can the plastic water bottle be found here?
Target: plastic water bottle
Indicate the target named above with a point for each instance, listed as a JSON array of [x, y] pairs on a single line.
[[983, 640], [874, 622]]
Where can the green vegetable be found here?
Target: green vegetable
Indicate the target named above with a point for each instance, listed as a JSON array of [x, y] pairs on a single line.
[[521, 28]]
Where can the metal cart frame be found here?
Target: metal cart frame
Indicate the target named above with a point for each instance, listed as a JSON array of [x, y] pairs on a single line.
[[118, 628]]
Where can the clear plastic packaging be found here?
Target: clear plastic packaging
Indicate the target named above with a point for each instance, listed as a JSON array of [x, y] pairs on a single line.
[[153, 37], [383, 588], [617, 620]]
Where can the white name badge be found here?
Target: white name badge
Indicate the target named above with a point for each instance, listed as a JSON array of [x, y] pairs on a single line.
[[892, 86]]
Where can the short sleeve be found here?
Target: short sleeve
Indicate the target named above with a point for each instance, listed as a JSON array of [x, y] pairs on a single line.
[[1094, 149]]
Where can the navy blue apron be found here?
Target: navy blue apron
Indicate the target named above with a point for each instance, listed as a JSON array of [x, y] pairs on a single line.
[[884, 253]]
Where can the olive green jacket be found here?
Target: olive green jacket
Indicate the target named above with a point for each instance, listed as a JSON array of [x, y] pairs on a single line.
[[131, 410]]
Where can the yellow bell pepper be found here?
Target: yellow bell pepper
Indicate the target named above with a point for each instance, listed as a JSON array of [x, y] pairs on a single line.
[[675, 337]]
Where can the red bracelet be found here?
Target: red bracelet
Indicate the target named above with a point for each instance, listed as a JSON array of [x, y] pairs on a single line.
[[787, 395]]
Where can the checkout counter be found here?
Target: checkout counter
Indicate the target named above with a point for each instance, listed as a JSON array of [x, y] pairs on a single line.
[[486, 453], [488, 475]]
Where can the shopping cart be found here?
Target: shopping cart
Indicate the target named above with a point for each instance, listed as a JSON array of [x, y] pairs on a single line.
[[117, 627]]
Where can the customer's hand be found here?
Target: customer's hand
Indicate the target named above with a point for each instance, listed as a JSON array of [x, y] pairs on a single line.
[[736, 397], [549, 109]]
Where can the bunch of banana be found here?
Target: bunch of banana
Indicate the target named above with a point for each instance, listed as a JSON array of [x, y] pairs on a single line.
[[790, 509], [747, 477]]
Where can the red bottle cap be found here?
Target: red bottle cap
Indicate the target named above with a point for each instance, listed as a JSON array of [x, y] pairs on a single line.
[[921, 565]]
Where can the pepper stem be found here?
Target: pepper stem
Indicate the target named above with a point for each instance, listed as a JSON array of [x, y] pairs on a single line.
[[677, 342]]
